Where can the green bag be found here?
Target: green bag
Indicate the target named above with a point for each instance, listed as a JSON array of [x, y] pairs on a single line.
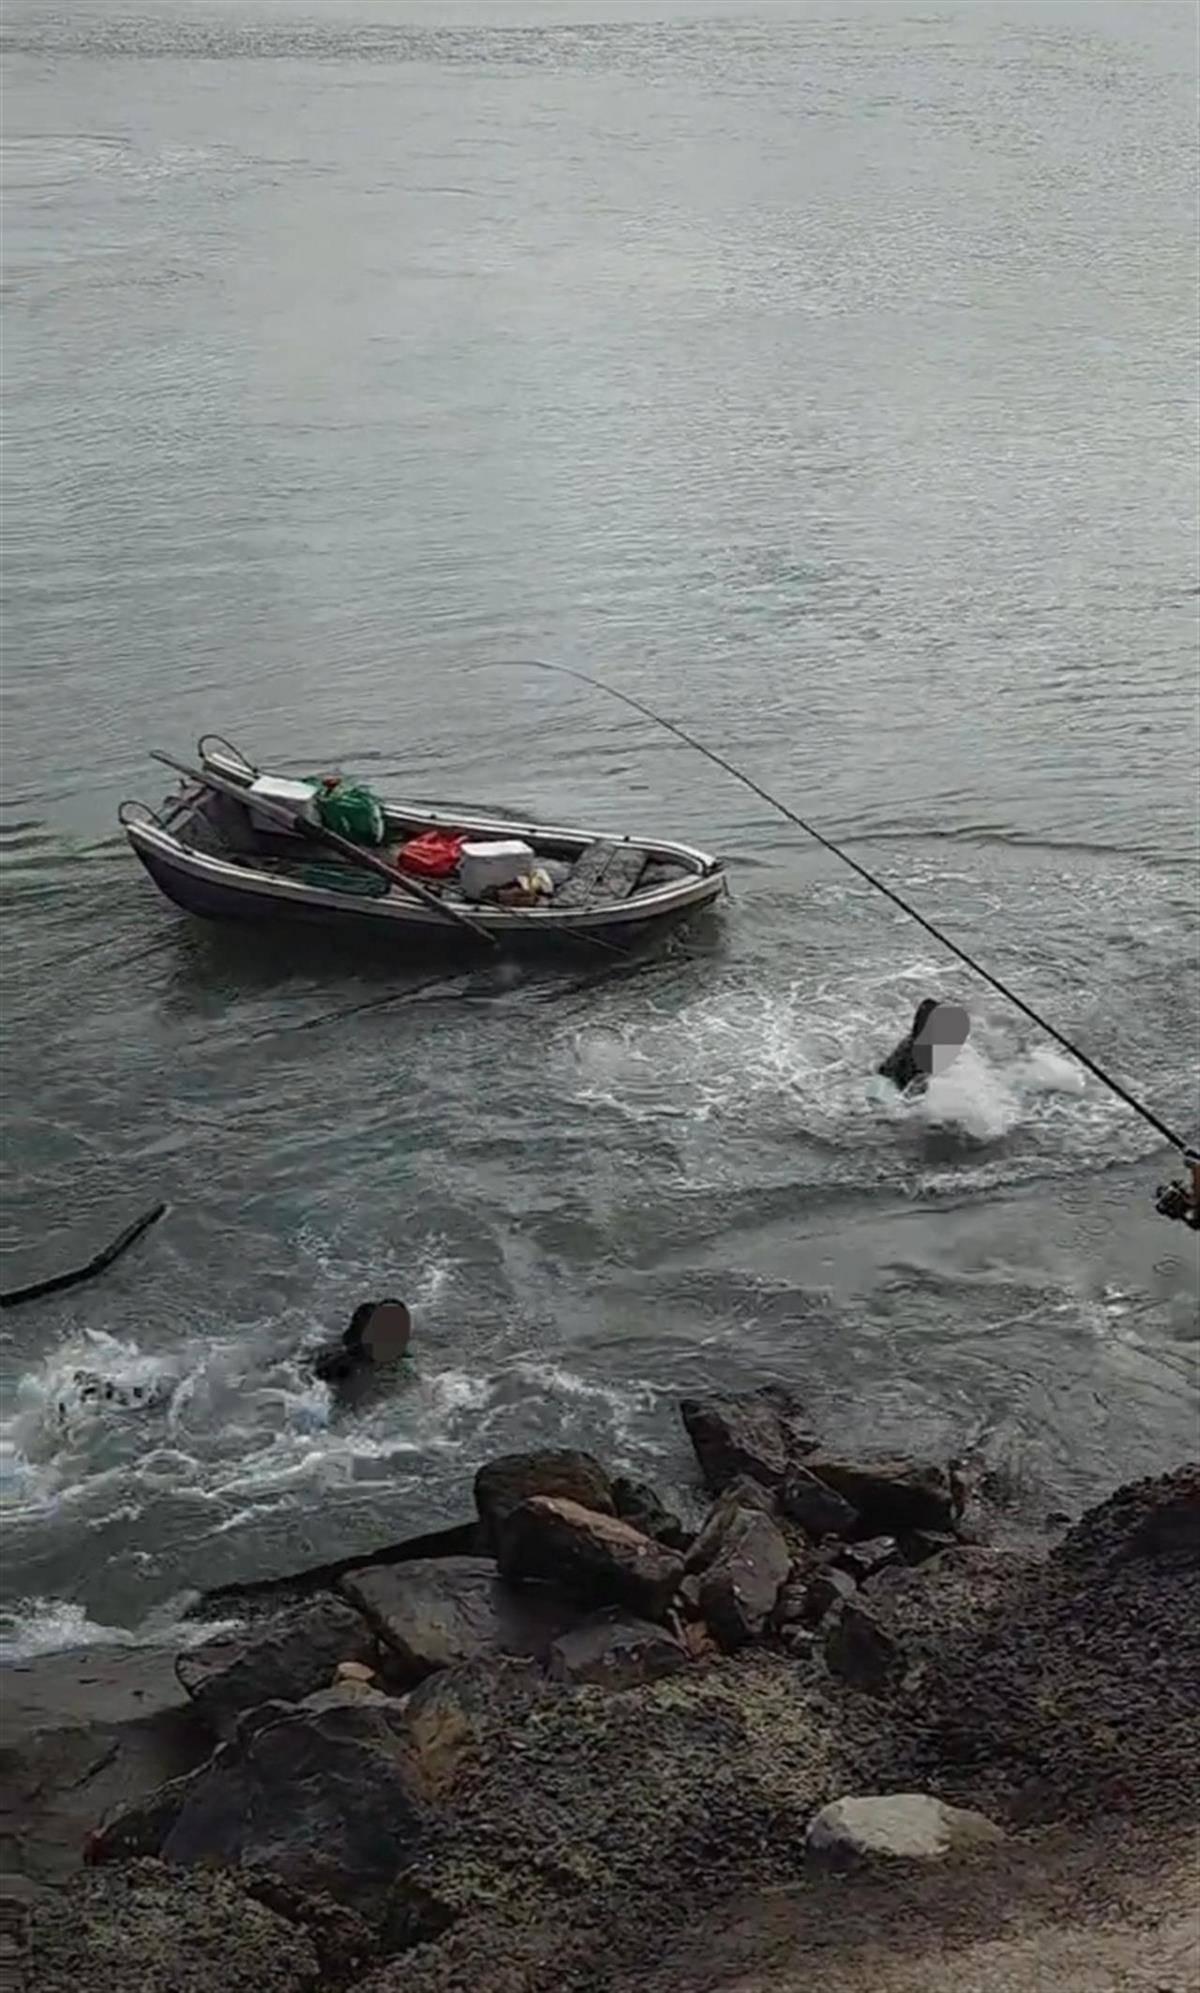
[[353, 811]]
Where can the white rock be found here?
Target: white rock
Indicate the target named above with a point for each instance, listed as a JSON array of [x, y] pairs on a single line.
[[895, 1826]]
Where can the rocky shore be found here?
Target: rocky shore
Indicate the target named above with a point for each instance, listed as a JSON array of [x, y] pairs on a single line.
[[559, 1746]]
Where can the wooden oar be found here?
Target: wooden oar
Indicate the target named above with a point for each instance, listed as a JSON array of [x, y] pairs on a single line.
[[319, 833]]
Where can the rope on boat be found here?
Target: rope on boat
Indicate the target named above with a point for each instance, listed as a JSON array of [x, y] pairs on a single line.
[[689, 740]]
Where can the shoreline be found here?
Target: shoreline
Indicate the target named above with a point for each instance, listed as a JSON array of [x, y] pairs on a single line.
[[541, 1748]]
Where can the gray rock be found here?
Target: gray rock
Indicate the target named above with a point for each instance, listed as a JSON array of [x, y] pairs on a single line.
[[594, 1557], [818, 1509], [892, 1495], [859, 1651], [451, 1717], [894, 1827], [440, 1613], [637, 1503], [791, 1607], [825, 1589], [741, 1495], [325, 1799], [739, 1588], [919, 1545], [283, 1658], [81, 1734], [864, 1560], [800, 1642], [144, 1927], [502, 1485], [616, 1651], [761, 1433]]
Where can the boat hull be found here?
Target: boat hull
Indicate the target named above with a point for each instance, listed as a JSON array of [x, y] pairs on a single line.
[[216, 891]]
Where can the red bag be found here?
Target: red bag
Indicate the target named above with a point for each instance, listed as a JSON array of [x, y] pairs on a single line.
[[433, 855]]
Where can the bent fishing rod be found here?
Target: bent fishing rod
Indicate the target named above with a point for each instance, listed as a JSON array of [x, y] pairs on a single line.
[[880, 886]]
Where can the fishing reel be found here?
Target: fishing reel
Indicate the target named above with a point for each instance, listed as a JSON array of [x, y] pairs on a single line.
[[1182, 1200]]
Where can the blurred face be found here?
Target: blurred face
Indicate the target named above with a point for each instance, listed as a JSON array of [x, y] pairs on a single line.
[[941, 1038]]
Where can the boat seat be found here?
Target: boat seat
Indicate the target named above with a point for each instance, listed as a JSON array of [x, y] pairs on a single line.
[[603, 874]]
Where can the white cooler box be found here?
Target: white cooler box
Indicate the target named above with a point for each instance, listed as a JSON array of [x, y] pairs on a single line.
[[298, 797], [482, 867]]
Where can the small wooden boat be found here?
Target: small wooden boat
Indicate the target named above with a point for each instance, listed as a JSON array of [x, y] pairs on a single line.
[[213, 854]]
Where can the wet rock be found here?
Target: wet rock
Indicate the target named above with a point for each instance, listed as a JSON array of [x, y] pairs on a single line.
[[440, 1613], [761, 1433], [892, 1495], [742, 1495], [863, 1560], [1156, 1520], [594, 1557], [502, 1485], [325, 1798], [140, 1827], [791, 1607], [825, 1589], [741, 1584], [637, 1503], [82, 1734], [146, 1927], [800, 1642], [451, 1716], [894, 1827], [819, 1510], [919, 1545], [283, 1658], [616, 1651], [860, 1651]]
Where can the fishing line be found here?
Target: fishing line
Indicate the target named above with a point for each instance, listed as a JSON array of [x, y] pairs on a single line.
[[764, 795]]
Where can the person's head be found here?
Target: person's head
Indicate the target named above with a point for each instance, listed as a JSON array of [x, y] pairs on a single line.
[[385, 1334], [923, 1012], [939, 1036]]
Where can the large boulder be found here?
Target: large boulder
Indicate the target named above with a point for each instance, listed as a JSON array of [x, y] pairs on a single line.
[[283, 1658], [82, 1733], [502, 1485], [449, 1718], [594, 1557], [741, 1583], [615, 1651], [860, 1651], [761, 1433], [894, 1827], [324, 1798], [148, 1928], [439, 1613], [740, 1496], [818, 1509], [891, 1494]]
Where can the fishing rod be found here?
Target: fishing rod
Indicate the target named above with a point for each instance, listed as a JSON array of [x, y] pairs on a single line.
[[880, 886]]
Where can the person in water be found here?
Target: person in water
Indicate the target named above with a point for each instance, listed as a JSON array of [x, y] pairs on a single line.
[[900, 1066], [379, 1332], [936, 1035], [1182, 1200]]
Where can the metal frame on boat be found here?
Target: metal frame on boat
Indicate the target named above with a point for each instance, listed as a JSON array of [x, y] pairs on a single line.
[[193, 868]]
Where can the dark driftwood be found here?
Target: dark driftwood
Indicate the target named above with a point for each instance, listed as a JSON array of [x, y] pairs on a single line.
[[276, 1594], [102, 1260]]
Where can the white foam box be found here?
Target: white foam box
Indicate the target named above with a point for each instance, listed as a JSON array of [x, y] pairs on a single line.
[[298, 797], [485, 866]]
